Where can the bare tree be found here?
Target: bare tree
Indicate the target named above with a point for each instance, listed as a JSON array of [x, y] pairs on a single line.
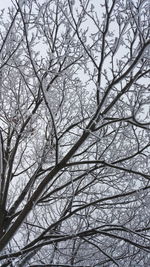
[[75, 133]]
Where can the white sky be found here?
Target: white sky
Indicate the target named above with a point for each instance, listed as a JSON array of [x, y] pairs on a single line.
[[5, 3]]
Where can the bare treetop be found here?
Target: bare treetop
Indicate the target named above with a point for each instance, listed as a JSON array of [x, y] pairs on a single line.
[[74, 133]]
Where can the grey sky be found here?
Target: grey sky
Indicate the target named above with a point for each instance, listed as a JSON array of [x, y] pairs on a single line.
[[5, 3]]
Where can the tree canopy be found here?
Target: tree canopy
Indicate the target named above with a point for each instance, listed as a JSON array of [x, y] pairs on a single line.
[[75, 133]]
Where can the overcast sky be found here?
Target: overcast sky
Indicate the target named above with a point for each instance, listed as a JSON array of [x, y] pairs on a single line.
[[5, 3]]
